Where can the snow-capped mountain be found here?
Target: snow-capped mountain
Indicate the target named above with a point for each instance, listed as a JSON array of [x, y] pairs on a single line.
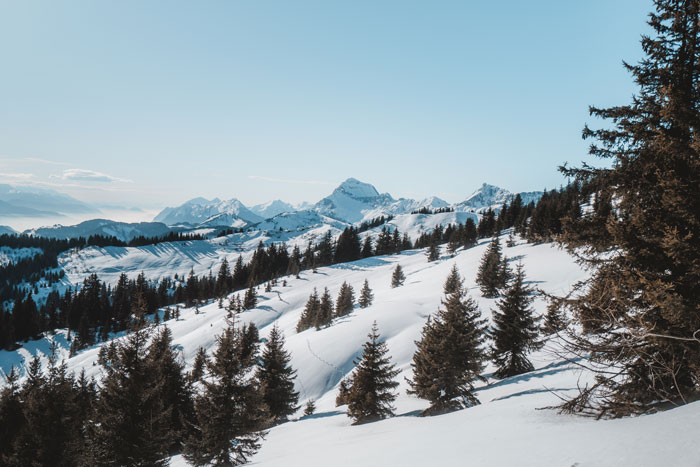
[[272, 208], [354, 201], [199, 210], [122, 230], [5, 229], [490, 196]]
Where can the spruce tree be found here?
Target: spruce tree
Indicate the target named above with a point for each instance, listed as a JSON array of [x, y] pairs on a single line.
[[325, 310], [311, 310], [276, 378], [397, 277], [450, 355], [648, 321], [346, 300], [250, 299], [433, 252], [132, 421], [366, 295], [493, 270], [515, 328], [372, 392], [229, 412]]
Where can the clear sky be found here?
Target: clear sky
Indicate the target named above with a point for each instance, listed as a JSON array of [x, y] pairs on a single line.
[[151, 103]]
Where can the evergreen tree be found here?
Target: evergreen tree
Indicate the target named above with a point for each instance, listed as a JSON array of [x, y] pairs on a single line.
[[433, 252], [515, 328], [450, 355], [397, 277], [648, 318], [493, 271], [12, 416], [230, 412], [346, 300], [311, 310], [325, 310], [372, 391], [367, 249], [276, 378], [309, 408], [366, 295], [250, 299], [132, 421]]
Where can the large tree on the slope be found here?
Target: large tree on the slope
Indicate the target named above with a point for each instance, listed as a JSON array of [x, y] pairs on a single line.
[[642, 305]]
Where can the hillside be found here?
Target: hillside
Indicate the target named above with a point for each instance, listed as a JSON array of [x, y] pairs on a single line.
[[506, 429]]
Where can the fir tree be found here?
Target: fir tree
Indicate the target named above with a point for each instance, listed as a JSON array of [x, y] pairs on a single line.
[[648, 319], [346, 300], [325, 310], [276, 378], [397, 277], [433, 252], [230, 412], [250, 299], [311, 310], [372, 392], [309, 408], [493, 272], [450, 355], [366, 295], [132, 421], [515, 328]]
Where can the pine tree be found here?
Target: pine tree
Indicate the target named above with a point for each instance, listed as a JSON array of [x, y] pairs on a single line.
[[311, 310], [366, 295], [309, 408], [648, 320], [515, 328], [12, 416], [224, 279], [372, 391], [493, 270], [250, 299], [325, 310], [450, 355], [171, 386], [346, 300], [230, 412], [433, 252], [397, 277], [276, 378], [131, 426]]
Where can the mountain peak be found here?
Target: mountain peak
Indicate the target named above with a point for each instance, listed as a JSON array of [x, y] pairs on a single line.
[[354, 188]]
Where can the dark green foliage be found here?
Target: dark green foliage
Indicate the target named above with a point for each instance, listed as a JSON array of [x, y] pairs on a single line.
[[343, 391], [309, 408], [276, 378], [324, 316], [433, 252], [311, 310], [450, 355], [366, 295], [645, 325], [515, 328], [132, 421], [346, 300], [372, 392], [397, 277], [229, 412], [250, 299], [493, 270]]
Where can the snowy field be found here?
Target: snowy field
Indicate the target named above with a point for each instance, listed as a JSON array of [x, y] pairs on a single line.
[[507, 429]]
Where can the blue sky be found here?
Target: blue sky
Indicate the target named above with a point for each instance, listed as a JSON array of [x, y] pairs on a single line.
[[151, 103]]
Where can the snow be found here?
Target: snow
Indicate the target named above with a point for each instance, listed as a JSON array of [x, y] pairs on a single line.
[[506, 429], [12, 255]]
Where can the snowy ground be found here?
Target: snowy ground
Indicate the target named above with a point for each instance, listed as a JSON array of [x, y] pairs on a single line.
[[506, 429]]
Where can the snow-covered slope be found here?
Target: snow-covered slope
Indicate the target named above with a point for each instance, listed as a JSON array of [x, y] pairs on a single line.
[[505, 430], [200, 210]]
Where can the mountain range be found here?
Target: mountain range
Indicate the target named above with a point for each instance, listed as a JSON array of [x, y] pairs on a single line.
[[351, 202], [39, 202]]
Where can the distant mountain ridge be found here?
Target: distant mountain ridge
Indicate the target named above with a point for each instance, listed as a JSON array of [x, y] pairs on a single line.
[[39, 202], [122, 230], [351, 202]]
